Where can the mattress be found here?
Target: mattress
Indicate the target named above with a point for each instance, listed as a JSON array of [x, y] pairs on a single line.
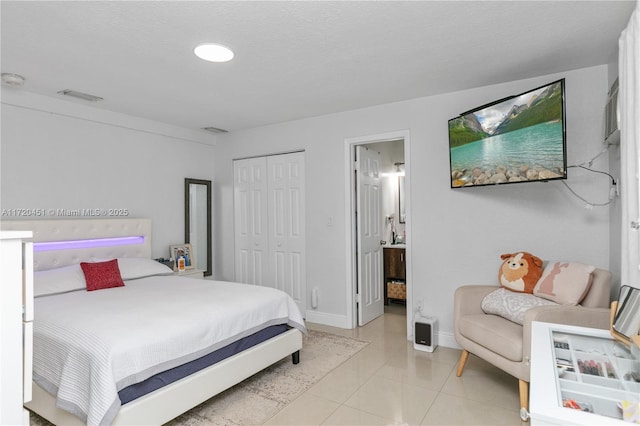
[[153, 383], [88, 346]]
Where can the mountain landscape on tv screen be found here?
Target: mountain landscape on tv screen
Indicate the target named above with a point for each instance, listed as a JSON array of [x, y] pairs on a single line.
[[546, 106], [514, 140]]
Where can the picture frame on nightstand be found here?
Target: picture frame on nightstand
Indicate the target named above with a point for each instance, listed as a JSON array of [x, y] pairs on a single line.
[[186, 250]]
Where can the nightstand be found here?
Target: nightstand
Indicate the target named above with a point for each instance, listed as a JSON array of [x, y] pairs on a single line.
[[191, 273]]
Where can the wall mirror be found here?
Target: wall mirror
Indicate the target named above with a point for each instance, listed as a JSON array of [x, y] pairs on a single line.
[[197, 221], [627, 319], [401, 210]]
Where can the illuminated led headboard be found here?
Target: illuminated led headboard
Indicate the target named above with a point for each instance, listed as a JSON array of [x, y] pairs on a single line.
[[65, 242]]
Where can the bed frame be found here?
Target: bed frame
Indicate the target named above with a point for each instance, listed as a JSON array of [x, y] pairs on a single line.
[[169, 402]]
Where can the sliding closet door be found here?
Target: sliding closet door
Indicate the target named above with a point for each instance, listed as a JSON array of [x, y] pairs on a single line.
[[269, 212], [287, 224], [250, 214]]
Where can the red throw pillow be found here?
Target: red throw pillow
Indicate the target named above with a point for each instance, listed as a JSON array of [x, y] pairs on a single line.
[[101, 275]]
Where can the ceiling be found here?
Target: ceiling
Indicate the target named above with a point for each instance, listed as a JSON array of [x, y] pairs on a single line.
[[294, 59]]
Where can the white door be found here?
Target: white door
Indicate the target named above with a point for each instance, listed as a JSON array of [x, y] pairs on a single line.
[[269, 214], [287, 225], [250, 219], [369, 235]]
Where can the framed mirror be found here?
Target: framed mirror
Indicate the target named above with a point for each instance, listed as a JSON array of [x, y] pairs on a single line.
[[401, 209], [197, 222], [627, 319]]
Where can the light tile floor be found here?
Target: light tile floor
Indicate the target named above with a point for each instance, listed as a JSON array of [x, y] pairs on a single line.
[[390, 383]]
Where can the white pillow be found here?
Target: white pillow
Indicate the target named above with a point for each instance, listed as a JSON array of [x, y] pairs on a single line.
[[59, 280], [132, 268], [70, 278], [511, 305]]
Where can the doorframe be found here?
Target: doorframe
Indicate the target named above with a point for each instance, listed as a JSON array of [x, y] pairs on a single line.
[[350, 220]]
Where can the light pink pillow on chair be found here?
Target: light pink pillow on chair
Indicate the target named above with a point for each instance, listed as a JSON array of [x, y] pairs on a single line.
[[566, 283]]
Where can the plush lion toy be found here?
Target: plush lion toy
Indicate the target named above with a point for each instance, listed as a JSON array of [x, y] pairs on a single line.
[[520, 271]]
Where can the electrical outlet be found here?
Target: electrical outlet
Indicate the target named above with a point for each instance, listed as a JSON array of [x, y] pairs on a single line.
[[613, 192]]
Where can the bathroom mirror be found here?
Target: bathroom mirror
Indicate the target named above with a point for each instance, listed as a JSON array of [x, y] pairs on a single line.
[[197, 221], [627, 319], [401, 210]]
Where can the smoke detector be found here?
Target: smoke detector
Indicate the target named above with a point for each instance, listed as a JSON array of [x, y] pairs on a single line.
[[11, 79]]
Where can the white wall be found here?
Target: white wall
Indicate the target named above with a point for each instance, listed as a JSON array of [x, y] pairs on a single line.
[[458, 235], [60, 155]]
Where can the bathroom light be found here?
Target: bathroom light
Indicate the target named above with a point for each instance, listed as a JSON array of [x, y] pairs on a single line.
[[398, 172], [213, 52]]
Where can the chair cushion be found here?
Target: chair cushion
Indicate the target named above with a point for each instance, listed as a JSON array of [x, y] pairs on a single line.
[[494, 333], [511, 305]]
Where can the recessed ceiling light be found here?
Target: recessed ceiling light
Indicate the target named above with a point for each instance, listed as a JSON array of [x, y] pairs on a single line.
[[213, 52]]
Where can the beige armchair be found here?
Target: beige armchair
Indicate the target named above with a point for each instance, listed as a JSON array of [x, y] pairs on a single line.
[[507, 345]]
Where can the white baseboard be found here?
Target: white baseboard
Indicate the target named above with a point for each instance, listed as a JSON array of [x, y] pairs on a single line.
[[324, 318], [448, 340]]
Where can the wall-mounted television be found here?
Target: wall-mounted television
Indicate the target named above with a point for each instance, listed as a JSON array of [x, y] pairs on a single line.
[[517, 139]]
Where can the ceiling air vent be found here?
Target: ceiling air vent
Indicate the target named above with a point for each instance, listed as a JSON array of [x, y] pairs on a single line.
[[80, 95], [214, 130]]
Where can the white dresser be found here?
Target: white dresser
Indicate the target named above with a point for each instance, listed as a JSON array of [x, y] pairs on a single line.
[[579, 375], [16, 326]]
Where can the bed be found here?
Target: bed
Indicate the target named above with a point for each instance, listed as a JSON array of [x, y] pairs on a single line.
[[159, 343]]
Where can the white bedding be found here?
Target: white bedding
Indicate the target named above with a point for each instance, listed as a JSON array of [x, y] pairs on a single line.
[[89, 345]]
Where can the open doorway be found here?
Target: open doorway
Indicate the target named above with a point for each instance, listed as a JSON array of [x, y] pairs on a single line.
[[393, 213], [394, 216]]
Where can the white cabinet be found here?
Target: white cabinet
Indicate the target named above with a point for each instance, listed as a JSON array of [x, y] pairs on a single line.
[[16, 316], [269, 219], [579, 376]]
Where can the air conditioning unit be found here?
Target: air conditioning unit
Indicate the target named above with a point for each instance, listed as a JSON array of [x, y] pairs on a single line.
[[611, 130]]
